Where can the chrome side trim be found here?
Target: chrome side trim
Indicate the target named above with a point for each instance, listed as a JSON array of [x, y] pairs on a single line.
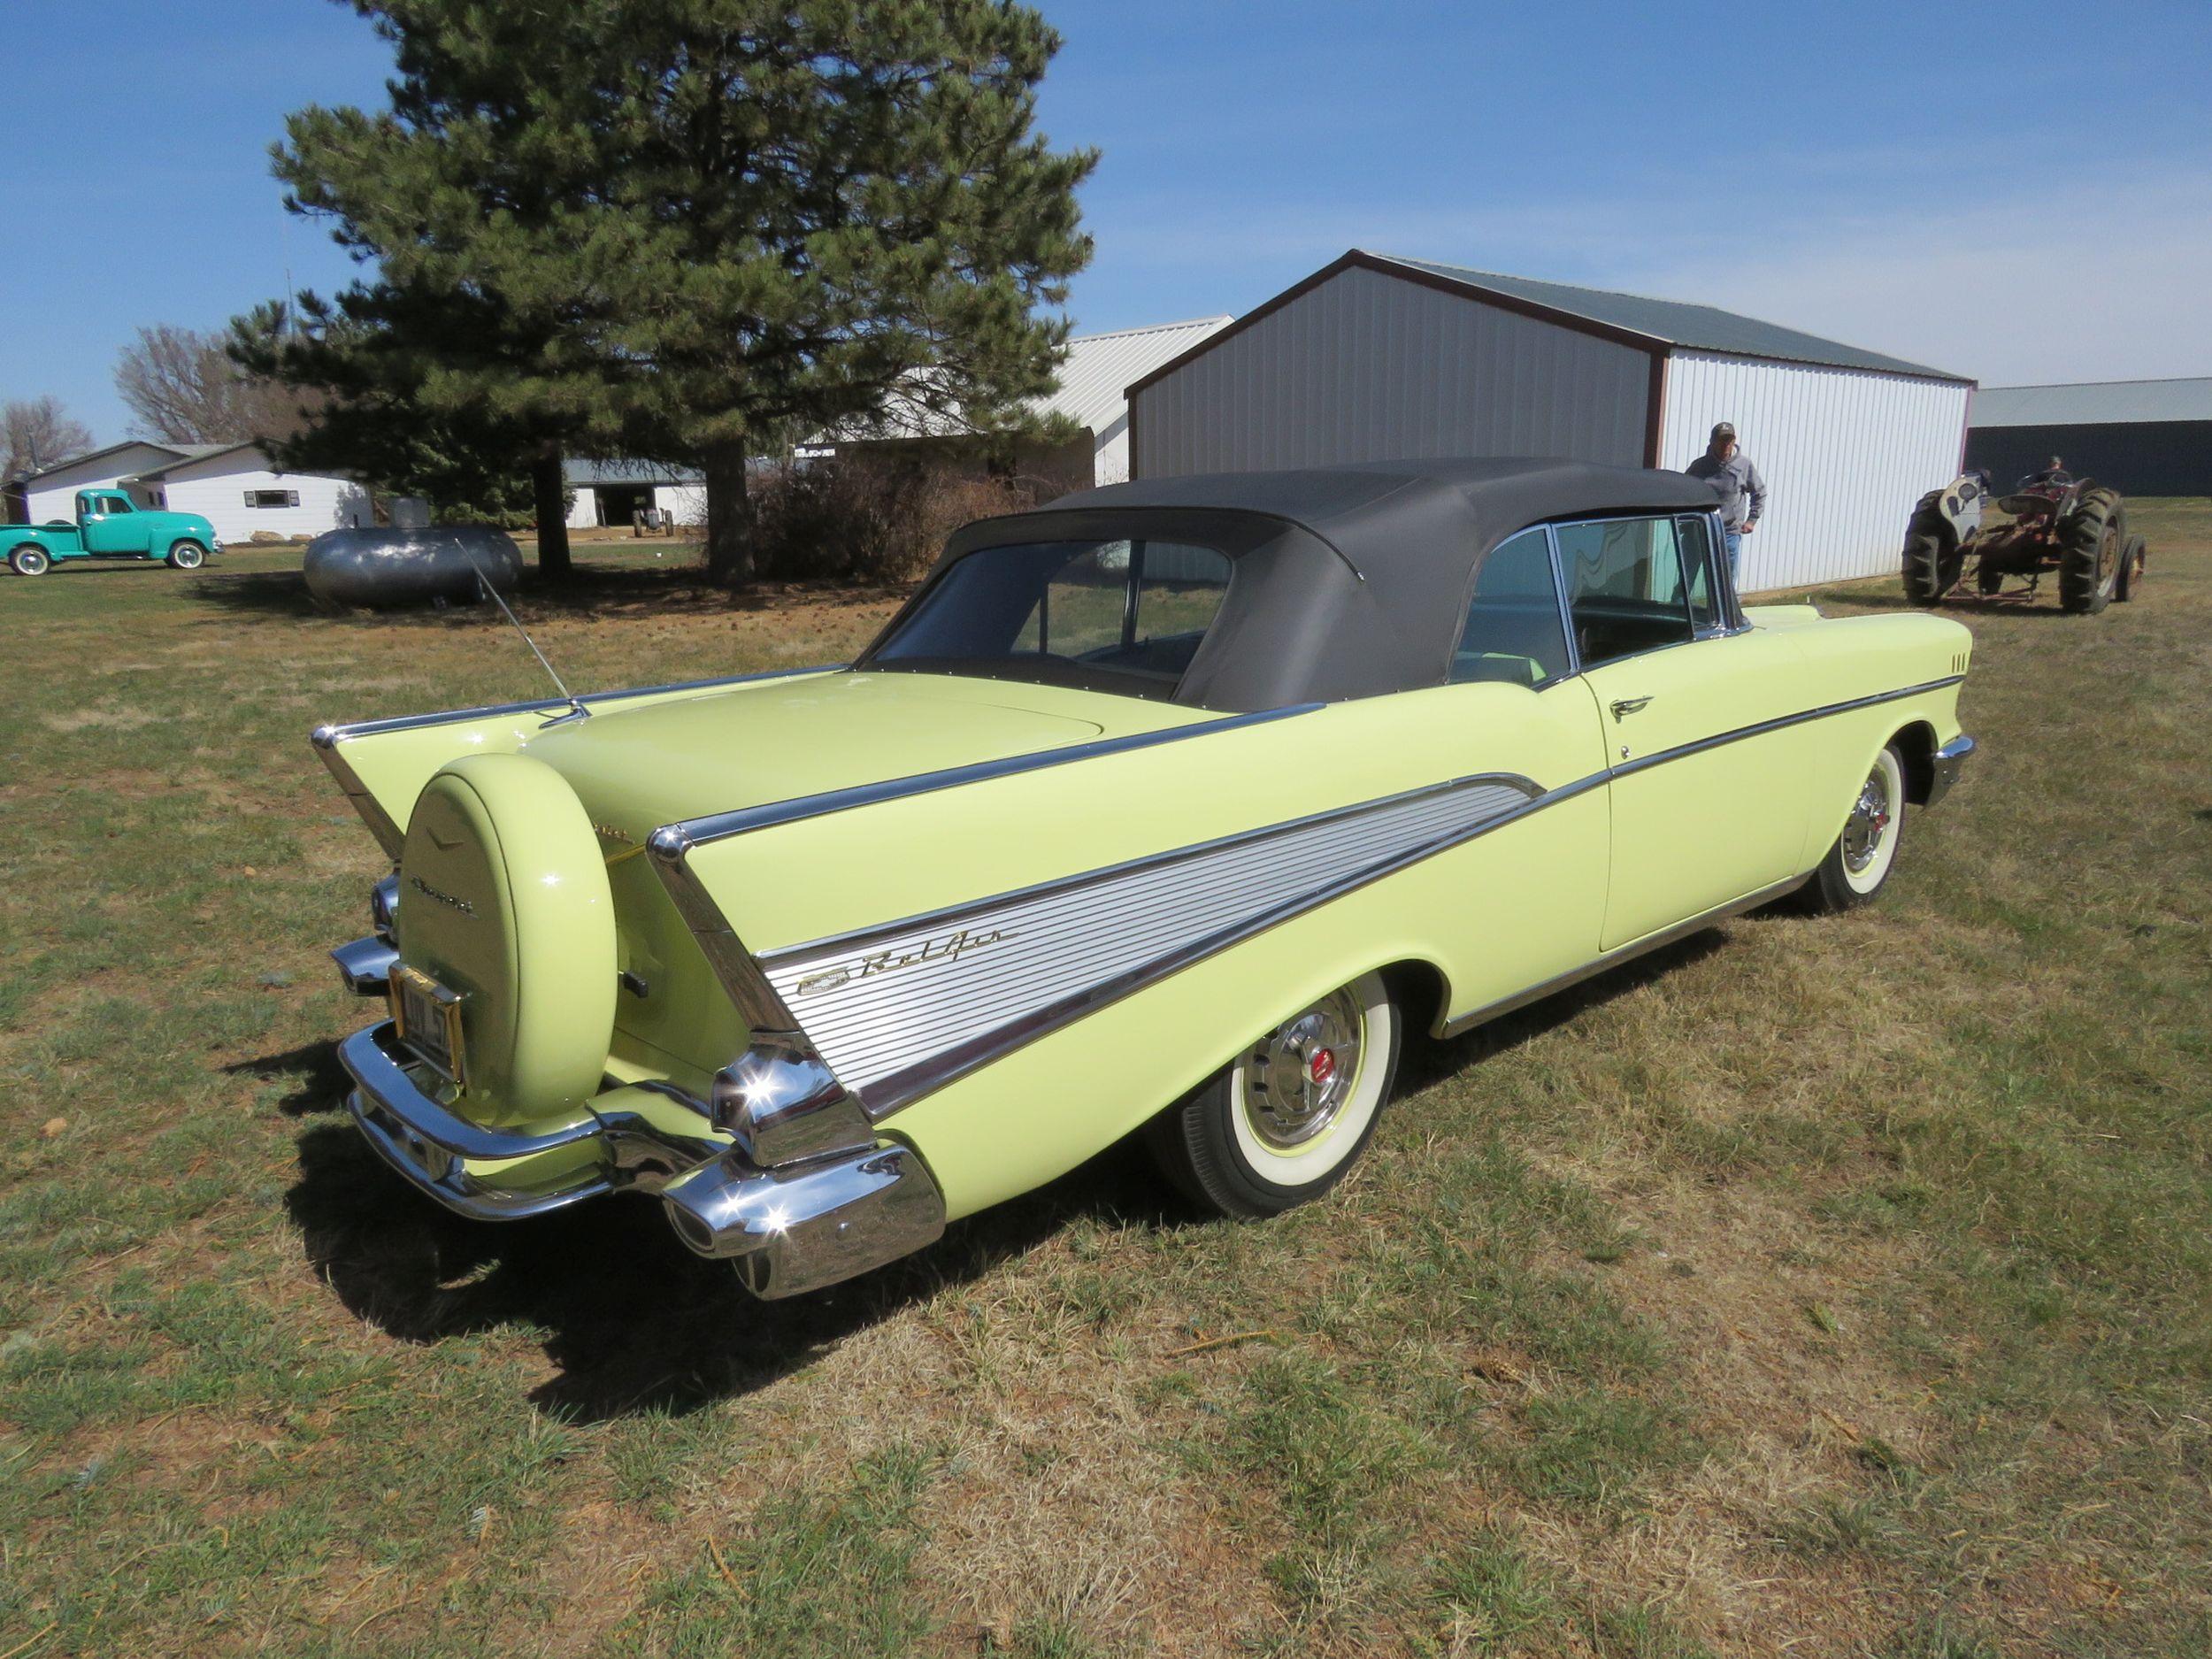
[[952, 915], [1760, 728], [894, 1017], [1950, 765], [1460, 1023], [720, 826], [324, 736]]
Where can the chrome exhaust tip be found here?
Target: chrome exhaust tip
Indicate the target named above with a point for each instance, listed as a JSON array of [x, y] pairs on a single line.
[[794, 1230]]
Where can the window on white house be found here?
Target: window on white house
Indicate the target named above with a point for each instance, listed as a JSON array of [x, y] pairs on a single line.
[[272, 498]]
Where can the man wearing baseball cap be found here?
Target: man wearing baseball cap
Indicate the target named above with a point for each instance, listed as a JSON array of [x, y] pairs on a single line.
[[1742, 492]]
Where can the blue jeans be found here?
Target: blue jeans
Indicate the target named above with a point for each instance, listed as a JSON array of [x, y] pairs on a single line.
[[1733, 539]]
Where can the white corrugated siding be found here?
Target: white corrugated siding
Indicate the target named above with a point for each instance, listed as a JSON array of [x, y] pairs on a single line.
[[1844, 455], [1369, 367]]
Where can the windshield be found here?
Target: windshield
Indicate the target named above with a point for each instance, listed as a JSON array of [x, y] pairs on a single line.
[[1115, 616]]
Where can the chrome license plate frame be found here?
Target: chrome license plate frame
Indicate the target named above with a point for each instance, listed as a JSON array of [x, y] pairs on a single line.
[[426, 1018]]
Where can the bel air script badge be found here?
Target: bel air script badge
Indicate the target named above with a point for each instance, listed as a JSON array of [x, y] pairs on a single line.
[[951, 947]]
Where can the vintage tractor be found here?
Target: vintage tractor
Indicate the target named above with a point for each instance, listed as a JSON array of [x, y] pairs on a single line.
[[2075, 527]]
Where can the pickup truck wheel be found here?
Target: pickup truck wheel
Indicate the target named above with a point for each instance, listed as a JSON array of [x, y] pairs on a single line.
[[1282, 1123], [186, 555], [1860, 858], [28, 561]]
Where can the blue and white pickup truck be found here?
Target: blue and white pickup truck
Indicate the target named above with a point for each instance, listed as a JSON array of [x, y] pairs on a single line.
[[109, 526]]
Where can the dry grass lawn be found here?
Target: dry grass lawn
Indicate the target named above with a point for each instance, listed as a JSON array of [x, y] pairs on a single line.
[[1828, 1287]]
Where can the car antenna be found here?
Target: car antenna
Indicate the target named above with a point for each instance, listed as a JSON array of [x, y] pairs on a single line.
[[576, 709]]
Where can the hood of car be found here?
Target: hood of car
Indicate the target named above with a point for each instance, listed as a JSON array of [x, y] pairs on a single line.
[[637, 769]]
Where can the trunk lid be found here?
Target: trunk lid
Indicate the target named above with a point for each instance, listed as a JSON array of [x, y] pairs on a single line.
[[636, 770]]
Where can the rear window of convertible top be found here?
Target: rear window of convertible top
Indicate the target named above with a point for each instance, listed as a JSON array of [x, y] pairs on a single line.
[[1123, 616]]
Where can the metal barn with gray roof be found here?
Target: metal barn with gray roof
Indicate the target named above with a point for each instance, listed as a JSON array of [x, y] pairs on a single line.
[[2143, 437], [1380, 358]]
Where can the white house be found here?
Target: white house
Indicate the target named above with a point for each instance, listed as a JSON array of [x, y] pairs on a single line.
[[233, 486], [51, 493], [608, 492]]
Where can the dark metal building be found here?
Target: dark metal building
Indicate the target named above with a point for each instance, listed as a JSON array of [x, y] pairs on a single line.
[[2143, 437]]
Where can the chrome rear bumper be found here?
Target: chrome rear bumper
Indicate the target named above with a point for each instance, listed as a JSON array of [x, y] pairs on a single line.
[[1950, 764], [787, 1229]]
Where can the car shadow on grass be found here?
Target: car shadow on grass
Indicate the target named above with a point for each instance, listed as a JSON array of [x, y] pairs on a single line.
[[632, 1319], [315, 1082], [1429, 1062], [635, 1323]]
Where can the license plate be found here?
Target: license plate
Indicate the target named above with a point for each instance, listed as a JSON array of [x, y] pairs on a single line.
[[428, 1019]]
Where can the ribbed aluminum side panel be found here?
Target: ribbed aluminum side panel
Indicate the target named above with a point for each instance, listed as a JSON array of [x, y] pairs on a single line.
[[1370, 367], [881, 1018], [1844, 455]]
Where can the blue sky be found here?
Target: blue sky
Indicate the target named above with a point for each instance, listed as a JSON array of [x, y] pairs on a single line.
[[2016, 192]]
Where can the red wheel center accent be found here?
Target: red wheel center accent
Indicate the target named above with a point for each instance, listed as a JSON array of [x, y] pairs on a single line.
[[1322, 1066]]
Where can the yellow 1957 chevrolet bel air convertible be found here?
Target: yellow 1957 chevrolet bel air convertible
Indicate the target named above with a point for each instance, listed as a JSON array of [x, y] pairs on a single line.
[[1165, 808]]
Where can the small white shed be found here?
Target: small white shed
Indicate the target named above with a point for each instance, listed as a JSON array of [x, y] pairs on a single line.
[[1377, 357]]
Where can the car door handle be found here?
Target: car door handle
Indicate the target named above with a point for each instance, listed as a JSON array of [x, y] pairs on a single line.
[[1622, 706]]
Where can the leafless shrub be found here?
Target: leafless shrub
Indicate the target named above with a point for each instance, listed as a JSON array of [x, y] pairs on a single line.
[[871, 521]]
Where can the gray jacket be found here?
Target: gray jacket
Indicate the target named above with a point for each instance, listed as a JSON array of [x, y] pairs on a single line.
[[1742, 492]]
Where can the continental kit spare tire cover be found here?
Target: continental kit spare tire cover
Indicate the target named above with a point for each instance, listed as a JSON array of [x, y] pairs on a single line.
[[504, 898]]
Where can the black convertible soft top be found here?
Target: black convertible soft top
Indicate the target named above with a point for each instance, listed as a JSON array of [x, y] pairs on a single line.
[[1351, 581]]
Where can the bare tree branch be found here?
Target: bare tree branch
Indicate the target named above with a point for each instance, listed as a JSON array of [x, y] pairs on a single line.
[[184, 389], [37, 431]]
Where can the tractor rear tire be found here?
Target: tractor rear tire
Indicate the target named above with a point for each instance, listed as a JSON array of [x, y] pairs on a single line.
[[2134, 558], [1933, 562], [2089, 538]]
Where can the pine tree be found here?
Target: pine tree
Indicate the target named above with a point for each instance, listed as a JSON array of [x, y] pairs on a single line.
[[383, 377], [723, 222]]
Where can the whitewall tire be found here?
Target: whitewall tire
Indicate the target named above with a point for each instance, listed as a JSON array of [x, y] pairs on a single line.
[[1283, 1123], [1865, 849]]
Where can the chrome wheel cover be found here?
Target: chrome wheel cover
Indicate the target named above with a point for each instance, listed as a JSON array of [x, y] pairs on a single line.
[[1868, 822], [1298, 1078]]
